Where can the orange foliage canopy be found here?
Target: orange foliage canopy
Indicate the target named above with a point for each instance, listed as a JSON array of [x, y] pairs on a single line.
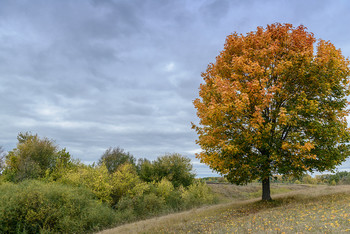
[[274, 103]]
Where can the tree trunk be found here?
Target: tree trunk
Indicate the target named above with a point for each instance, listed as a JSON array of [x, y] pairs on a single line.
[[266, 196]]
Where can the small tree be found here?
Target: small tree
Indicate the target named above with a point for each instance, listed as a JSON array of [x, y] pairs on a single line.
[[115, 157], [270, 104], [33, 158], [174, 167], [145, 170]]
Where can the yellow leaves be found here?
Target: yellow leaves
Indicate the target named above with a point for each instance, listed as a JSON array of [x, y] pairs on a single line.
[[230, 148], [302, 150], [282, 116], [255, 123], [96, 179], [308, 146], [285, 145], [213, 160]]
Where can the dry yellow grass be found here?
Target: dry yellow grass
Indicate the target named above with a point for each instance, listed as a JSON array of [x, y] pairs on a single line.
[[230, 192], [269, 217]]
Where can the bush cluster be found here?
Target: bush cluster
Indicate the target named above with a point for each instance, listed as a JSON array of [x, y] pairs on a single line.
[[43, 190], [35, 206], [176, 168], [149, 199]]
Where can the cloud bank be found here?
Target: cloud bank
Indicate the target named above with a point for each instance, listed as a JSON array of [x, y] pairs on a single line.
[[95, 74]]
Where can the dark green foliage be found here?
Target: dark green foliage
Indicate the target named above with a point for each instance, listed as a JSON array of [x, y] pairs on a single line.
[[34, 158], [34, 206], [174, 167], [342, 177], [64, 163], [114, 157], [145, 170]]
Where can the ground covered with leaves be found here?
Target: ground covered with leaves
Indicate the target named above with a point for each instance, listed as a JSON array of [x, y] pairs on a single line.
[[314, 209], [327, 214]]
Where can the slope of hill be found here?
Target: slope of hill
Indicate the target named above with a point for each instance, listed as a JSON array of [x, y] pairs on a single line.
[[306, 209]]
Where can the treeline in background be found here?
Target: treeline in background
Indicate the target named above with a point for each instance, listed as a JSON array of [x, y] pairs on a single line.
[[338, 178]]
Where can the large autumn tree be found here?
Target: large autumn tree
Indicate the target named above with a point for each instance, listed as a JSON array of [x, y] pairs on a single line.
[[274, 102]]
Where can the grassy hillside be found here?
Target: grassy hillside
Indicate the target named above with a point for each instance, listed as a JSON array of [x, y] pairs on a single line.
[[303, 209]]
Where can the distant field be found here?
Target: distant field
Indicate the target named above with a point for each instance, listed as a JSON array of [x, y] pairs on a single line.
[[230, 192], [296, 209]]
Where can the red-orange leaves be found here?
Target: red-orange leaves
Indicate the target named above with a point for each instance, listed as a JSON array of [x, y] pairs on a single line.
[[270, 104]]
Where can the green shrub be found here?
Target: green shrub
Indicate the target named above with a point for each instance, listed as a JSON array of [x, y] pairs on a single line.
[[174, 167], [150, 205], [149, 199], [96, 179], [64, 163], [307, 179], [145, 206], [171, 196], [115, 157], [106, 186], [164, 188], [36, 206], [123, 181], [145, 170], [197, 194]]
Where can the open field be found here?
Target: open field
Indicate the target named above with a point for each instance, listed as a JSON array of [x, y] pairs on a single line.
[[229, 192], [297, 209]]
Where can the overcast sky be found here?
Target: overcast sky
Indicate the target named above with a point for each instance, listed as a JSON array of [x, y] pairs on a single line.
[[94, 74]]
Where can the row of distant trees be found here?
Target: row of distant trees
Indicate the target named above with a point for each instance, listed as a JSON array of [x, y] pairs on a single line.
[[338, 178]]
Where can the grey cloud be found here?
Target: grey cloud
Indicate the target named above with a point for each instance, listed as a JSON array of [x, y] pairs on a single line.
[[94, 74]]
